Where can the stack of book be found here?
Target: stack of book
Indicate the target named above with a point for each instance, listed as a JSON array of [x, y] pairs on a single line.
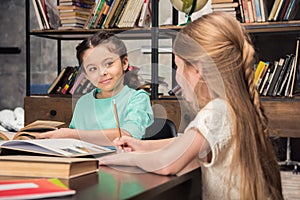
[[74, 13], [228, 6]]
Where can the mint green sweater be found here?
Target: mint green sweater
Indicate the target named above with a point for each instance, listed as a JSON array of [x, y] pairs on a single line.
[[134, 111]]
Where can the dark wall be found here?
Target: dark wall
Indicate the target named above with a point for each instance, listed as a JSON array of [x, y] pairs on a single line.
[[13, 66]]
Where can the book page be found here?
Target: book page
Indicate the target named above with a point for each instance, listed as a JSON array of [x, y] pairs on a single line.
[[7, 135], [59, 147], [25, 136], [42, 125]]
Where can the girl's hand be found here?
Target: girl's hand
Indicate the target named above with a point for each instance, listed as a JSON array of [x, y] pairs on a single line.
[[129, 144], [58, 133]]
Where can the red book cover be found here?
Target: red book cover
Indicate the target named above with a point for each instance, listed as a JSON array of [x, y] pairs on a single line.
[[32, 189]]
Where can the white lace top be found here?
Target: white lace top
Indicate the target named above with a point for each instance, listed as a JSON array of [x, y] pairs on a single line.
[[214, 122]]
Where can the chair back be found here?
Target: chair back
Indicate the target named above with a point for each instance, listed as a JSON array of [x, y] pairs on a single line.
[[160, 129]]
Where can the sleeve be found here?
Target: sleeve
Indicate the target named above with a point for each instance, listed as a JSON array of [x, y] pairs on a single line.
[[214, 123], [81, 105], [139, 114]]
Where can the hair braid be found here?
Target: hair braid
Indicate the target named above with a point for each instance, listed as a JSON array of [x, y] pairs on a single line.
[[249, 75]]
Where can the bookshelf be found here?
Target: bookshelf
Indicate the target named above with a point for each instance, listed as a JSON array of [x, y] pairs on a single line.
[[282, 112]]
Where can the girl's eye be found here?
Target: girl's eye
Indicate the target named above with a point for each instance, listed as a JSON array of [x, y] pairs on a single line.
[[92, 68], [108, 64]]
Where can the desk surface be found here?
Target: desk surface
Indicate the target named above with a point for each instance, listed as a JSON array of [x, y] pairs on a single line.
[[111, 183]]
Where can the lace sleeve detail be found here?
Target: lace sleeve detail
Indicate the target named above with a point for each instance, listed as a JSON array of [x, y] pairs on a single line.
[[214, 123]]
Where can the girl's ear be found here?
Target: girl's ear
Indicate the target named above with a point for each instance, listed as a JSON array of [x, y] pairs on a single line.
[[125, 63]]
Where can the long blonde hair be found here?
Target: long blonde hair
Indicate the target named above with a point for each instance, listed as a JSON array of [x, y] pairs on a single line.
[[228, 45]]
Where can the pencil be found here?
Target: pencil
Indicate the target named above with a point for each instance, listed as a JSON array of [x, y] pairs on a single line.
[[117, 119]]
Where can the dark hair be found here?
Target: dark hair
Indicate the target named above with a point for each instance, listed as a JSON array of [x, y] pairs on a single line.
[[101, 37]]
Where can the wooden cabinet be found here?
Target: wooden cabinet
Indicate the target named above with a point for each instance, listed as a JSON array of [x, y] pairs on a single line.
[[48, 108]]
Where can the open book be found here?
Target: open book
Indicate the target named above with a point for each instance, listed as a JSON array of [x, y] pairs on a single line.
[[63, 147], [30, 131]]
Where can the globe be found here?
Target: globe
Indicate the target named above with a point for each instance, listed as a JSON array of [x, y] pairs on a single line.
[[188, 6]]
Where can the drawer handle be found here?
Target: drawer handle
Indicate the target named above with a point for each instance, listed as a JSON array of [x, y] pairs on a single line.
[[53, 112], [187, 117]]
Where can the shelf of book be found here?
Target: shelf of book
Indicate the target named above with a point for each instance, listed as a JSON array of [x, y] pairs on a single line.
[[278, 109]]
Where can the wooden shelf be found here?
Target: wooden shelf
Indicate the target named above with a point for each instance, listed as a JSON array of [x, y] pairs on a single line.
[[79, 34], [273, 27], [164, 31]]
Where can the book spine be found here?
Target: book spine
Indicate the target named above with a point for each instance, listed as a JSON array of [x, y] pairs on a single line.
[[77, 81], [118, 14], [103, 15], [286, 76], [43, 14], [283, 10], [53, 87], [246, 11], [37, 13], [108, 14], [273, 10], [265, 81], [263, 73], [258, 71], [288, 84], [98, 10], [124, 14], [295, 67], [275, 77], [250, 11], [258, 10], [143, 14], [265, 93], [111, 13], [278, 10], [264, 11], [70, 82], [282, 73], [91, 15]]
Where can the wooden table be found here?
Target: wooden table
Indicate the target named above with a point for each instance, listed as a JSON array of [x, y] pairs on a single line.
[[112, 183]]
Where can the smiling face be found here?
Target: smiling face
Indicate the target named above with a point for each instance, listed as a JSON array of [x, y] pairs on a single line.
[[104, 69]]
